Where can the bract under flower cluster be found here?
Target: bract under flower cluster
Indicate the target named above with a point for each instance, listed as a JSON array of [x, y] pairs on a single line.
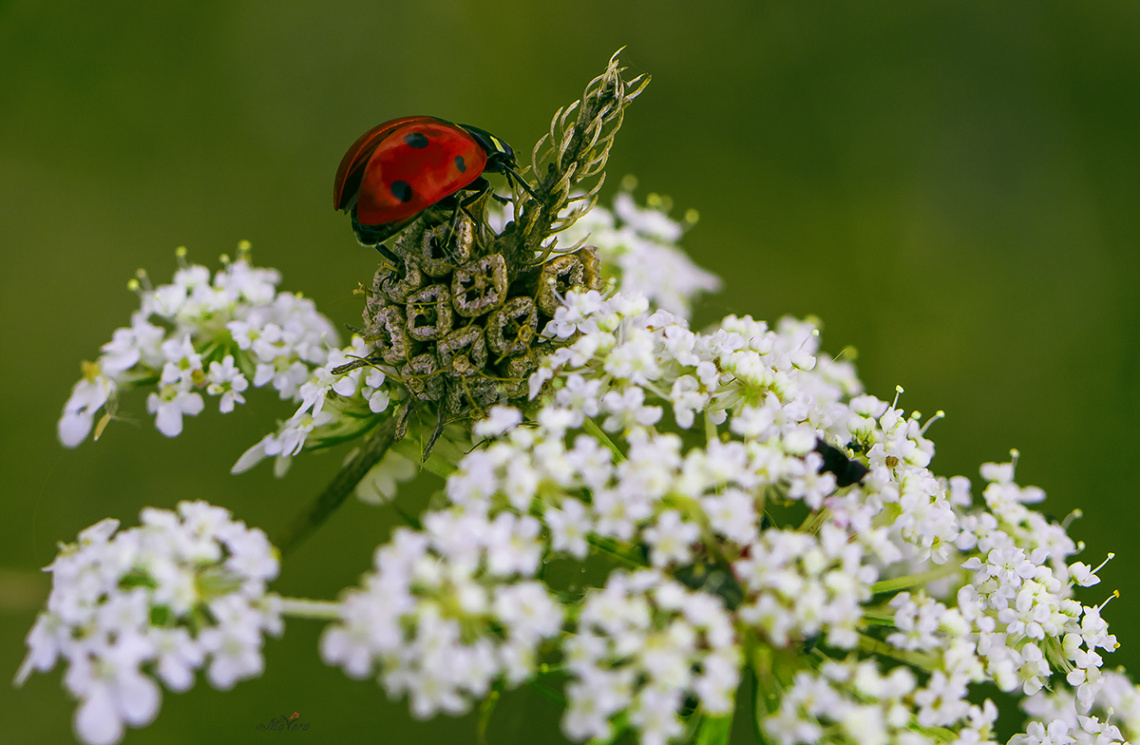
[[183, 591]]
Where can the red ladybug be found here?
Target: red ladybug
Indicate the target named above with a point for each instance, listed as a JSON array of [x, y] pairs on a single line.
[[401, 167]]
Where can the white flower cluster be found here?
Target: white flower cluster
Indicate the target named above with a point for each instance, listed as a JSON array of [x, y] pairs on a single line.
[[180, 592], [778, 524], [801, 585], [1062, 720], [448, 611], [849, 700], [644, 644], [203, 334], [739, 503], [641, 244], [639, 247]]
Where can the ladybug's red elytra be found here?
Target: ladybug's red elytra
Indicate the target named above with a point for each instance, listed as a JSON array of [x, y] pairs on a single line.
[[398, 169]]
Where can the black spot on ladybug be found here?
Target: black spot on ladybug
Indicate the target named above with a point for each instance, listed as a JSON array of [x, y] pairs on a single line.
[[460, 164], [401, 190], [415, 139]]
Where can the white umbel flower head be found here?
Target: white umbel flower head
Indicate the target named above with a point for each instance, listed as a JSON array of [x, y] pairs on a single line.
[[448, 612], [152, 604], [213, 334]]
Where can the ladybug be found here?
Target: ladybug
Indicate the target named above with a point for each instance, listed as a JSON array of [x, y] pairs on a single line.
[[400, 168]]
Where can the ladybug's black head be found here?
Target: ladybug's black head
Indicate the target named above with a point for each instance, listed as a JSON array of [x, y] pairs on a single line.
[[500, 157]]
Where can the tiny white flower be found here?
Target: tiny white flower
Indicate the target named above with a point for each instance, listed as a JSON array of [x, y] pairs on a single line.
[[500, 420], [225, 380], [570, 527], [88, 396], [170, 404], [670, 539]]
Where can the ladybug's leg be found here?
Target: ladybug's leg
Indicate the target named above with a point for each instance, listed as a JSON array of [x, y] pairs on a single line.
[[481, 187], [373, 236]]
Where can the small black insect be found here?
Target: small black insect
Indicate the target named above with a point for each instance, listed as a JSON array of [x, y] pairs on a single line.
[[847, 471]]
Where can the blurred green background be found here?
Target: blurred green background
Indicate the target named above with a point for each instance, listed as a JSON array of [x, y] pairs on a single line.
[[951, 187]]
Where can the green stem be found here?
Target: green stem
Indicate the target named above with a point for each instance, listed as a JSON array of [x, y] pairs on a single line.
[[710, 429], [879, 618], [591, 427], [914, 580], [320, 610], [548, 693], [343, 484], [920, 660], [765, 691], [691, 508], [815, 521], [608, 546], [941, 734]]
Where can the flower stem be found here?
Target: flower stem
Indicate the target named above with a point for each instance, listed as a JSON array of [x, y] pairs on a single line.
[[591, 427], [316, 609], [920, 660], [610, 547], [369, 454], [914, 580]]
